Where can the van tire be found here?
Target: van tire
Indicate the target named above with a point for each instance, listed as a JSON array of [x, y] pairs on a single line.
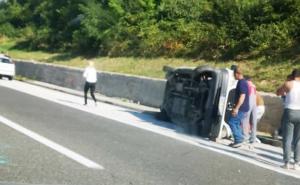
[[163, 116], [10, 78]]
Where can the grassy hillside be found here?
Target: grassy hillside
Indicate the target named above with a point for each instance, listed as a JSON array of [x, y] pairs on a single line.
[[267, 74]]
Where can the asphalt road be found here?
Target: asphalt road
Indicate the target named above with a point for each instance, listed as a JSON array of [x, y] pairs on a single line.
[[129, 155]]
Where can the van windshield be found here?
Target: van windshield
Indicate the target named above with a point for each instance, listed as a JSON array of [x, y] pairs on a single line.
[[4, 60]]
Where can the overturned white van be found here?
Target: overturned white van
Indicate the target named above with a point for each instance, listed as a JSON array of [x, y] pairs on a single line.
[[198, 100]]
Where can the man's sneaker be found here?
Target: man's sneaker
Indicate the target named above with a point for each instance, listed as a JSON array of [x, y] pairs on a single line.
[[236, 145], [296, 166], [286, 166]]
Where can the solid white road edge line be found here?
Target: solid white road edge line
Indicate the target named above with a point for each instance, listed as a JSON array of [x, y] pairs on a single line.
[[65, 151]]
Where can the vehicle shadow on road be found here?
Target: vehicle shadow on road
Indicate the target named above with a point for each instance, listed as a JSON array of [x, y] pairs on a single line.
[[150, 117]]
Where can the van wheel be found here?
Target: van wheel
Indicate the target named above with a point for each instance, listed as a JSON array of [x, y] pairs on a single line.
[[163, 116], [10, 77], [0, 76]]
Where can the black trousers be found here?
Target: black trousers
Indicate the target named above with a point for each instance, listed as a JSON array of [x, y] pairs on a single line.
[[92, 87]]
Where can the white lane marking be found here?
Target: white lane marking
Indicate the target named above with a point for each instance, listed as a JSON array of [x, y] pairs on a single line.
[[63, 150], [127, 116]]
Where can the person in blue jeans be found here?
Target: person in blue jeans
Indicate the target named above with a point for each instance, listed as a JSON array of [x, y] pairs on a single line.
[[240, 109]]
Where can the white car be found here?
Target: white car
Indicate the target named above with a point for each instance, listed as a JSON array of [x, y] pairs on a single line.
[[7, 67]]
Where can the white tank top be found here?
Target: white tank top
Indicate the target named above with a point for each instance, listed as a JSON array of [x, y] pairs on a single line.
[[292, 100]]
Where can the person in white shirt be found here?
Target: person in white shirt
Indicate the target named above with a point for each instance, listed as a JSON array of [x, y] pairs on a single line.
[[291, 119], [90, 75]]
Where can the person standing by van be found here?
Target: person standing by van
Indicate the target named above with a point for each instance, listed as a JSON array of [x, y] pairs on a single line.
[[288, 78], [240, 109], [250, 121], [291, 120], [90, 75], [260, 106]]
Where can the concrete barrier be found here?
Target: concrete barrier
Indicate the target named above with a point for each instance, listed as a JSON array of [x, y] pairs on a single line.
[[146, 91], [271, 120]]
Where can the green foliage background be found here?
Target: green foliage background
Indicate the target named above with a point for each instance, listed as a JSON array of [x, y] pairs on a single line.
[[201, 29]]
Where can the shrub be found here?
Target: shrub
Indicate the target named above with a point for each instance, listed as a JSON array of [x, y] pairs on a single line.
[[8, 30], [269, 37]]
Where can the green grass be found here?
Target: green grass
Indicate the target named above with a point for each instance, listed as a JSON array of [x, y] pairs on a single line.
[[266, 74]]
